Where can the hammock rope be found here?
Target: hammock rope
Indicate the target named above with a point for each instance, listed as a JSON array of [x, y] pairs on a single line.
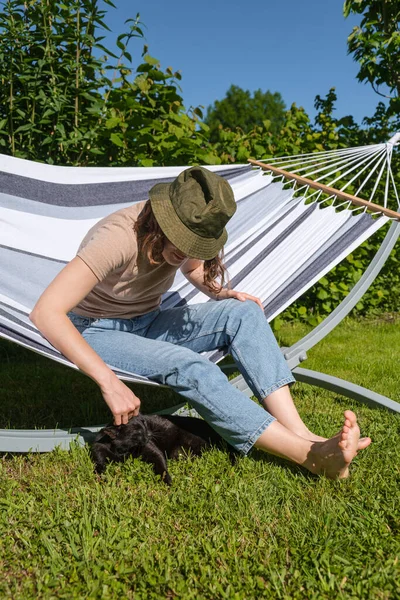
[[337, 166]]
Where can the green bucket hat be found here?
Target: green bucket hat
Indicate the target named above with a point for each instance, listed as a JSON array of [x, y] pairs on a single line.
[[193, 210]]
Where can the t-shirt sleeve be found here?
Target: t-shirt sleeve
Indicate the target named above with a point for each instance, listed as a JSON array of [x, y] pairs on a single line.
[[107, 247]]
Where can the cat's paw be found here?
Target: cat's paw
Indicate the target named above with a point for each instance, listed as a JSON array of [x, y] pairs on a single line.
[[166, 477]]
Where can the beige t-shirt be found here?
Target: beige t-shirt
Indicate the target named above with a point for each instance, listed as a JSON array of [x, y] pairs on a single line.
[[128, 284]]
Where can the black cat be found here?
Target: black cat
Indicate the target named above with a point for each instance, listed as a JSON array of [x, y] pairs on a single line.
[[154, 438]]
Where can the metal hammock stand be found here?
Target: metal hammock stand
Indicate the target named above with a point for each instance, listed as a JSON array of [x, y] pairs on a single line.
[[288, 219]]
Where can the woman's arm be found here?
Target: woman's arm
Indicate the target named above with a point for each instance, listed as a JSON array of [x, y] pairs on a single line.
[[49, 315], [193, 270]]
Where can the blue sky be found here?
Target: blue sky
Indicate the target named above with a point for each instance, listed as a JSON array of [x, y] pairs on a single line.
[[297, 48]]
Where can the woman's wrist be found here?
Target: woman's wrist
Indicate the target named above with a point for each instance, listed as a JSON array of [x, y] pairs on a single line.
[[223, 294], [106, 380]]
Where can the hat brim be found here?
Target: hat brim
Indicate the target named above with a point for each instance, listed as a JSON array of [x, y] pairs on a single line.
[[186, 241]]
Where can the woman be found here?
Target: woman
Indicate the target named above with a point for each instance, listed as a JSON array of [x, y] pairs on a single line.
[[103, 309]]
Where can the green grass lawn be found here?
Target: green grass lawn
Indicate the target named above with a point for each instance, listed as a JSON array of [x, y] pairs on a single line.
[[260, 529]]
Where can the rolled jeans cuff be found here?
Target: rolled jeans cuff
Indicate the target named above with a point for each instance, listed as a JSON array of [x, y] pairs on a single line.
[[248, 446], [276, 386]]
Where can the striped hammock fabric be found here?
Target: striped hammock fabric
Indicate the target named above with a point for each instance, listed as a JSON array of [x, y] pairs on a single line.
[[279, 245]]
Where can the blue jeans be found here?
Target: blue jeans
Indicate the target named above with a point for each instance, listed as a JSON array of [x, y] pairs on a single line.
[[164, 346]]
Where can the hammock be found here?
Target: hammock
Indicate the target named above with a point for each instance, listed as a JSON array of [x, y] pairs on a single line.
[[288, 231]]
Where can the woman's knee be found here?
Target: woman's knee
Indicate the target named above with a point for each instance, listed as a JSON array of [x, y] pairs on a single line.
[[191, 371], [247, 312]]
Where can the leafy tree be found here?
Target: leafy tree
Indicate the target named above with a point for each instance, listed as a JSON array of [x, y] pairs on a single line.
[[62, 101], [375, 44], [51, 88], [147, 123], [240, 109], [296, 135]]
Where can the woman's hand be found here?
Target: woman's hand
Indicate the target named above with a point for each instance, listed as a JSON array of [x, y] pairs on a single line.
[[242, 296], [121, 401]]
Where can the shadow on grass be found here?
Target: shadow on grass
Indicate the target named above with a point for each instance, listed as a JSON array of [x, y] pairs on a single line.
[[36, 392]]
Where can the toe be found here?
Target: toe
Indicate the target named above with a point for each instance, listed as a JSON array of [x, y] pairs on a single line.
[[349, 415], [363, 443], [344, 474]]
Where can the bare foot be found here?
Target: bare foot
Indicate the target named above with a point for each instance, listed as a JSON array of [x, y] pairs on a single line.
[[362, 442], [333, 457], [313, 437]]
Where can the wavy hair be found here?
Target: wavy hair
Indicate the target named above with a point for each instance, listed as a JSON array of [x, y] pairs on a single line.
[[151, 241]]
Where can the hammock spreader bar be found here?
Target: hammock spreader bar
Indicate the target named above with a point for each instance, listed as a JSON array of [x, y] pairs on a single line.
[[330, 191]]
